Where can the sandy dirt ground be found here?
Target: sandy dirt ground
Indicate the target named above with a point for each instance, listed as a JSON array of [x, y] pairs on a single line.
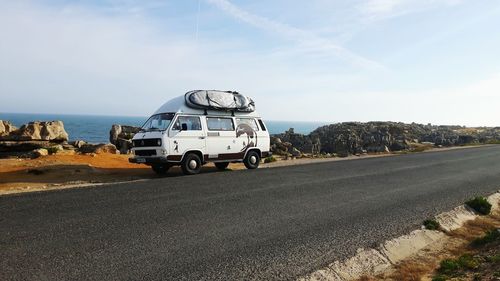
[[65, 171]]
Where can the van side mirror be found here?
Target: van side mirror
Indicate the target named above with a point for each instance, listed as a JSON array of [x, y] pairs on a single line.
[[184, 127]]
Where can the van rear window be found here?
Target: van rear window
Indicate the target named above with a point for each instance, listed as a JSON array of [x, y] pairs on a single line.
[[248, 121], [262, 125], [220, 124]]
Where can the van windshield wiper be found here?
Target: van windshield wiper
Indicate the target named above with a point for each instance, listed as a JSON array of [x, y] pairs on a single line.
[[153, 129]]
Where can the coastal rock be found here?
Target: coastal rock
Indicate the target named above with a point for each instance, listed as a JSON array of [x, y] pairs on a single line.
[[123, 145], [22, 146], [40, 152], [295, 152], [121, 136], [79, 143], [39, 131], [282, 144], [6, 128], [98, 148], [356, 137]]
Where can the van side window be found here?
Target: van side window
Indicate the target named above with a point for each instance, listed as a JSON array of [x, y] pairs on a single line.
[[262, 125], [193, 123], [220, 124], [249, 121]]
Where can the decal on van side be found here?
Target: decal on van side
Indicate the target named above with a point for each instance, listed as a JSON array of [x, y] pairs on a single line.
[[176, 148], [245, 129]]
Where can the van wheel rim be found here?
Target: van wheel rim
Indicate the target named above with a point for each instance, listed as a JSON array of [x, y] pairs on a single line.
[[253, 159], [193, 164]]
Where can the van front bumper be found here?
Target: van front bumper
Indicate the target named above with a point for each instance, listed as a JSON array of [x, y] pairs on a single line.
[[149, 160]]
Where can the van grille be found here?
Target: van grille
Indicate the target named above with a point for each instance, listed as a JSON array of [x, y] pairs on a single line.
[[147, 142], [147, 152]]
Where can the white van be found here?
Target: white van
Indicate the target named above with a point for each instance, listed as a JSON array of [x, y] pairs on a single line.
[[199, 127]]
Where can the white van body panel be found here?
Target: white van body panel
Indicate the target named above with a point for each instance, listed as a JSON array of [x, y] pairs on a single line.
[[227, 144]]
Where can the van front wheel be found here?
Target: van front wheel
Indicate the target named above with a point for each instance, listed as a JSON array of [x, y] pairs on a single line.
[[252, 160], [191, 164]]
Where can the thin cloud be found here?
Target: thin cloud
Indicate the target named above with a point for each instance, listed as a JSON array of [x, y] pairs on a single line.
[[307, 41], [373, 10]]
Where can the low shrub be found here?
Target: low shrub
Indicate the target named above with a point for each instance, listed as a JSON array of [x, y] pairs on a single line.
[[431, 224], [480, 205], [467, 261], [269, 159], [439, 278], [494, 259], [52, 149], [490, 236], [448, 266]]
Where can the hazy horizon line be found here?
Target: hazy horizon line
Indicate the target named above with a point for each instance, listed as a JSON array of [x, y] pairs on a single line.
[[322, 122]]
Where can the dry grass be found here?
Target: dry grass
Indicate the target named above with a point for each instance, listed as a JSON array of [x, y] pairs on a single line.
[[475, 228], [422, 265], [412, 270]]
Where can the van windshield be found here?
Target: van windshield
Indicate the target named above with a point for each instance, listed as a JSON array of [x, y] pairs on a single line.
[[158, 122]]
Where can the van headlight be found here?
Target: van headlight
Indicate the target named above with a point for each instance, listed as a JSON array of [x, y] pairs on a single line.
[[158, 142]]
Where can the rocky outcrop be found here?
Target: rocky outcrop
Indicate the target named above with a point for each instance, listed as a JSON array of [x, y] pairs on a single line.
[[121, 136], [32, 138], [356, 138], [40, 152], [6, 128], [98, 148], [294, 144], [21, 146], [52, 131]]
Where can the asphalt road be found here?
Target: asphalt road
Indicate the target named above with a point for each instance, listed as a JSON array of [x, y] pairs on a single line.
[[278, 223]]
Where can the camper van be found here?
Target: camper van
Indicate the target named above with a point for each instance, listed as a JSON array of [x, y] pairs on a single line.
[[200, 127]]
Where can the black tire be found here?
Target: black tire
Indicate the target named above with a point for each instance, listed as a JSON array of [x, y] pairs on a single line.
[[160, 169], [252, 160], [187, 163], [221, 165]]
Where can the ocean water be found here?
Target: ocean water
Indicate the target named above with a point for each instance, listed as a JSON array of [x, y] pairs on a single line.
[[95, 129]]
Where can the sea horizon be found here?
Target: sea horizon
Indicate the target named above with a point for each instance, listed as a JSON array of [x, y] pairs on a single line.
[[95, 128]]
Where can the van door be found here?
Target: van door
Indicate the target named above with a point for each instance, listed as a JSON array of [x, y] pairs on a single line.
[[186, 134], [221, 139]]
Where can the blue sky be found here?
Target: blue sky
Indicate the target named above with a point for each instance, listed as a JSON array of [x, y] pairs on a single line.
[[355, 60]]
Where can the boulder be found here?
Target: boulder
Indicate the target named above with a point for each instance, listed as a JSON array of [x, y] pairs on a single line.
[[6, 128], [39, 131], [121, 136], [40, 152], [98, 148], [115, 131], [79, 143], [123, 145], [295, 152]]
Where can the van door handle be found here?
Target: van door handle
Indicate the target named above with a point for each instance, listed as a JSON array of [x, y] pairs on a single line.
[[201, 138]]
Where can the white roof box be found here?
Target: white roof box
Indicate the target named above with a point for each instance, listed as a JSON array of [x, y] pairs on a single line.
[[219, 100]]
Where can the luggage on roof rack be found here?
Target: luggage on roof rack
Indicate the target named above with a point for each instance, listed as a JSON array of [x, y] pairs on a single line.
[[219, 100]]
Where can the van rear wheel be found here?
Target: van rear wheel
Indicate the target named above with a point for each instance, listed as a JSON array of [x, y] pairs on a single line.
[[191, 164], [252, 160], [160, 169], [221, 165]]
